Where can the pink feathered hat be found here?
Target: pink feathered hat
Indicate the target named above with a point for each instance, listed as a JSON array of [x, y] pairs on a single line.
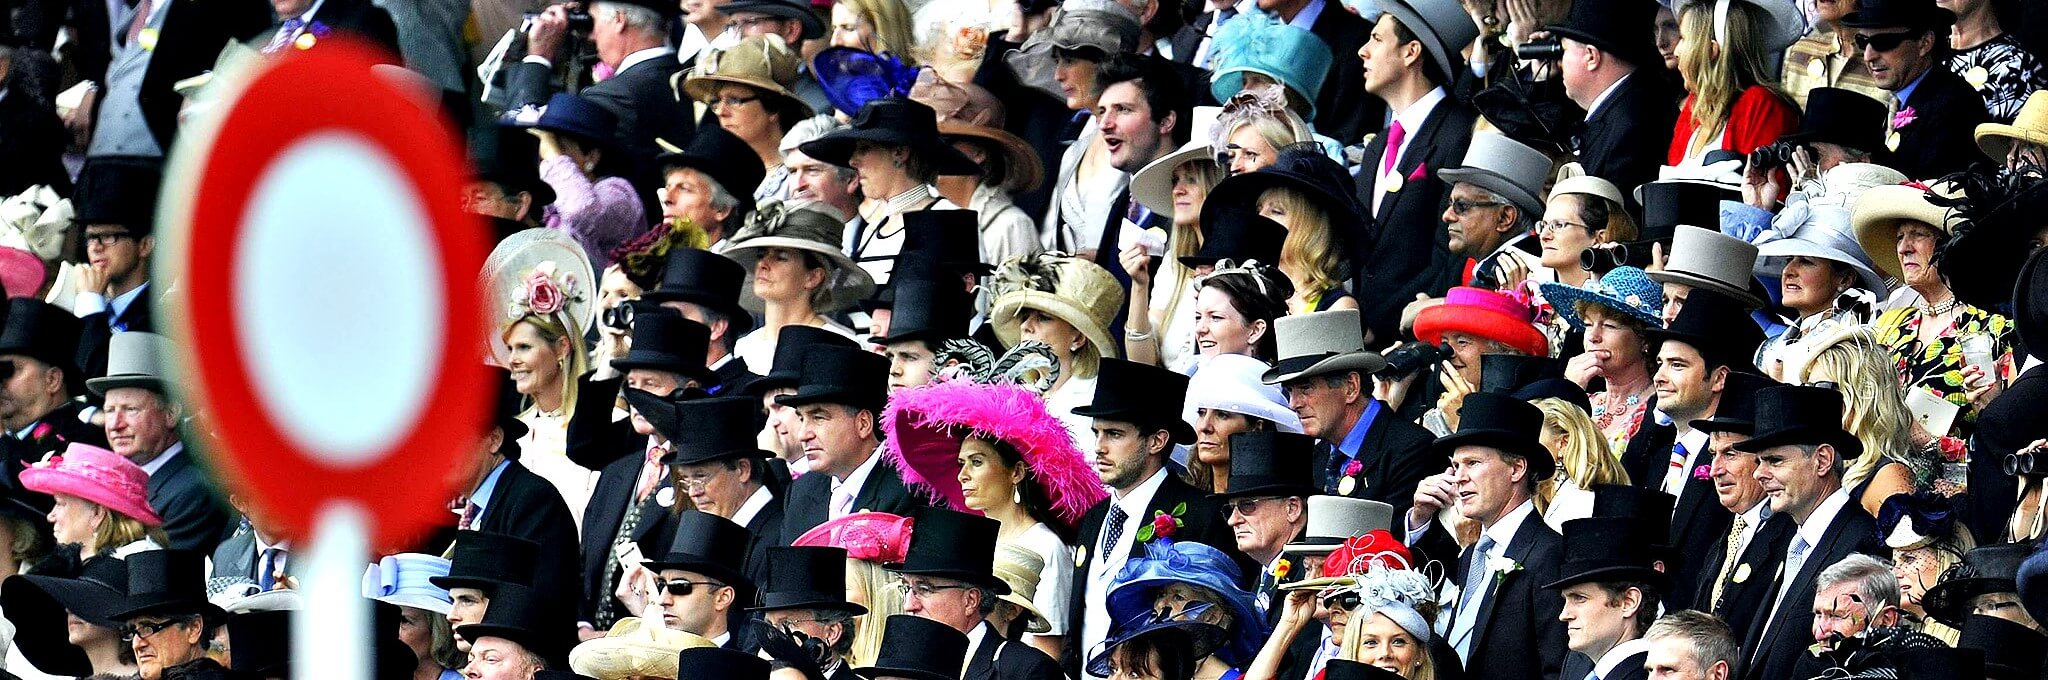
[[97, 475], [877, 537], [925, 425], [1485, 314]]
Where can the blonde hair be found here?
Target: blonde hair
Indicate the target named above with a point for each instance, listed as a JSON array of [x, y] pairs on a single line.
[[1877, 417], [1719, 81], [892, 27], [1351, 648], [874, 589], [1586, 460], [554, 328], [1278, 126], [116, 530], [1310, 250], [1186, 240]]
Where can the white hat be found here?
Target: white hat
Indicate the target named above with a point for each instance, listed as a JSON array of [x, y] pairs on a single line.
[[1230, 382]]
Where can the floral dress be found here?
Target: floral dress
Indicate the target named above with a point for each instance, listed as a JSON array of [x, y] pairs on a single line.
[[1938, 368], [2001, 71]]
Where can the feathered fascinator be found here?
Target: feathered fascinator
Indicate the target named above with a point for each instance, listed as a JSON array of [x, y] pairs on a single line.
[[1999, 214], [643, 257], [926, 424], [852, 77]]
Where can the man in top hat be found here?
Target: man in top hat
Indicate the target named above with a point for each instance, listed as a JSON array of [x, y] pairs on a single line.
[[702, 584], [904, 137], [806, 592], [1611, 594], [838, 403], [948, 576], [720, 470], [1496, 197], [632, 40], [1690, 645], [933, 313], [1366, 450], [116, 202], [917, 648], [1410, 62], [515, 639], [1934, 111], [705, 288], [142, 426], [701, 185], [167, 611], [1629, 120], [1502, 623], [497, 494], [780, 435], [479, 564], [1801, 452], [39, 376], [1839, 126], [1734, 572], [1136, 412], [1267, 505], [1144, 113]]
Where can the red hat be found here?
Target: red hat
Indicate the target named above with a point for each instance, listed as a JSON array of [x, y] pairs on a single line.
[[1483, 313]]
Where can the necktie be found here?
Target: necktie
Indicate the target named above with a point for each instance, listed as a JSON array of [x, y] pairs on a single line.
[[285, 34], [1470, 599], [1731, 556], [650, 475], [266, 568], [141, 21], [1674, 478], [1333, 466], [1394, 138], [469, 515], [606, 604], [1113, 530], [842, 501]]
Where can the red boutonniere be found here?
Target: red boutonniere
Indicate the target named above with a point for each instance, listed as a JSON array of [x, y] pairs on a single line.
[[1354, 467], [1420, 172], [1703, 472], [1163, 524]]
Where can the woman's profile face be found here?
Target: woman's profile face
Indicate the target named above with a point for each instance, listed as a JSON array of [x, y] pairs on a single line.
[[73, 520], [1916, 253], [986, 481], [783, 275], [1917, 570], [535, 363], [1051, 330], [1249, 152]]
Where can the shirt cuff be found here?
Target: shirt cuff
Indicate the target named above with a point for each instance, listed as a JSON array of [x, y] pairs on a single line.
[[1415, 535], [87, 303], [537, 59]]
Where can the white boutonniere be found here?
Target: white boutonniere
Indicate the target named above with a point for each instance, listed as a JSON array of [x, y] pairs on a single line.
[[1502, 566]]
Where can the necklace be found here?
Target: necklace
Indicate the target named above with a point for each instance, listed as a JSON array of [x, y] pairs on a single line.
[[1939, 308]]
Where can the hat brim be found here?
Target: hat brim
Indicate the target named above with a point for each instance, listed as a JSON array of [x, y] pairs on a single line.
[[1771, 257], [834, 395], [814, 27], [159, 604], [1542, 463], [729, 576], [1181, 431], [1244, 190], [1743, 296], [837, 149], [701, 88], [37, 608], [1656, 579], [1268, 491], [989, 582], [1949, 601], [1564, 298], [848, 282], [1425, 32], [1026, 171], [1294, 368], [1432, 323], [487, 585], [1877, 217], [737, 317], [676, 365], [1523, 199], [1204, 638], [810, 601], [1850, 447], [1997, 139], [1152, 185], [100, 386], [1007, 309]]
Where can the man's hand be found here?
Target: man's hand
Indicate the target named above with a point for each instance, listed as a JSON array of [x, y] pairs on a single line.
[[1432, 495], [92, 278], [544, 37], [1453, 397]]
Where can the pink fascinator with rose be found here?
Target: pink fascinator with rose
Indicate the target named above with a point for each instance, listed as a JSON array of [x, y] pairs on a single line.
[[877, 537]]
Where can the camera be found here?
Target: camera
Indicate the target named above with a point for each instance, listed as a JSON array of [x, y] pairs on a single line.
[[1547, 49], [2029, 462], [579, 20], [1605, 257], [1405, 360]]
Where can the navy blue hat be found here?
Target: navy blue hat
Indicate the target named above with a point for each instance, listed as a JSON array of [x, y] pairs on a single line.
[[580, 118]]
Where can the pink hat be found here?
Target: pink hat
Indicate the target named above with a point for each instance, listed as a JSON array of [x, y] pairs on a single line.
[[97, 475], [877, 537], [21, 272], [1486, 314]]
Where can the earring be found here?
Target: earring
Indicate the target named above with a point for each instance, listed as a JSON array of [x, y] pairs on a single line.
[[1016, 495]]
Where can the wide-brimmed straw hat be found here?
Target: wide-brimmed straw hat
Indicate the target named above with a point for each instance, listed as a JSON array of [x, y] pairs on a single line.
[[1019, 567], [762, 62], [810, 227], [98, 475], [1626, 290], [634, 649], [1879, 212], [2029, 127], [1068, 288]]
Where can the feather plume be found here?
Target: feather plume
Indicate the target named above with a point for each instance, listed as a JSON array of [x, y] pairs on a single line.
[[926, 424]]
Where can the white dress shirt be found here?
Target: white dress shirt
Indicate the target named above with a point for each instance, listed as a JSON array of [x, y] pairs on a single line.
[[1411, 120], [845, 490]]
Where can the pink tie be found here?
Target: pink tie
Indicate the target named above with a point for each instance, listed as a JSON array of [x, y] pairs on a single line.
[[1394, 138], [650, 475]]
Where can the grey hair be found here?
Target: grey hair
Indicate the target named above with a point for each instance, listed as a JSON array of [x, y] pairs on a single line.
[[1524, 220], [1874, 580], [636, 17], [988, 601], [807, 130], [1709, 636], [722, 198]]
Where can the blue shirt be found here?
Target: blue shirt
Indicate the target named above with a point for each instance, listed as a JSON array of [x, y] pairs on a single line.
[[481, 498], [1355, 440], [1906, 92], [1306, 18]]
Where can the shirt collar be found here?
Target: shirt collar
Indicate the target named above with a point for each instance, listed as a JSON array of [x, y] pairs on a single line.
[[642, 55], [1417, 113], [753, 506], [1306, 18], [1604, 94], [1816, 526], [859, 475], [1905, 94], [975, 637], [481, 498], [163, 459], [1135, 502], [1355, 439], [1504, 530], [121, 302], [307, 17], [1618, 654]]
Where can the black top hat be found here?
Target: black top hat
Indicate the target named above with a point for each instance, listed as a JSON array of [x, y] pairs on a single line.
[[664, 340], [1614, 26], [790, 345], [702, 278], [1985, 569], [1797, 414], [1915, 14], [714, 428], [1938, 663], [710, 545], [932, 311], [1530, 378], [949, 238], [119, 190], [954, 545], [37, 606], [718, 663], [1844, 117], [1505, 423], [167, 582], [839, 375], [918, 648], [1270, 463], [893, 121], [1649, 508], [579, 118], [799, 10], [1606, 550], [807, 577], [262, 642], [486, 561], [1302, 168], [518, 614], [44, 332], [1716, 325], [1346, 669], [660, 410], [712, 152], [2012, 651], [1239, 234], [1736, 411], [512, 161], [1666, 205], [505, 413], [1141, 394]]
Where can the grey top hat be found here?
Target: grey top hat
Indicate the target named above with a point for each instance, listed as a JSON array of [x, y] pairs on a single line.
[[1504, 166], [1318, 343], [134, 359], [1705, 258], [1443, 26], [1333, 519]]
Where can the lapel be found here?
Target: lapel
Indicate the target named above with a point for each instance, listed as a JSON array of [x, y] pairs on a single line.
[[1763, 554], [983, 665], [162, 479], [1420, 142], [1517, 550], [1691, 495], [1369, 449], [882, 489]]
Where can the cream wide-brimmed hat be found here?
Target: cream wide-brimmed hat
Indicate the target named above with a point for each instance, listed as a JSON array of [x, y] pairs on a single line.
[[1019, 566], [2029, 127], [1068, 288], [634, 649], [807, 226], [1877, 216]]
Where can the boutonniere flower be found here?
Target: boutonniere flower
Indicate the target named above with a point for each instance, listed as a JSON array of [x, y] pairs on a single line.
[[1703, 472], [42, 430], [1280, 570], [1163, 524], [1952, 449], [1420, 172], [1353, 467], [1904, 117], [1502, 566]]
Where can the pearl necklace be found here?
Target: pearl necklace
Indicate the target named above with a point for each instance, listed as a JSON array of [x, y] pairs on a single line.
[[1939, 308]]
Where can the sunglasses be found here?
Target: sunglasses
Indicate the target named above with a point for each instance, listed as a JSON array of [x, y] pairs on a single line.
[[1243, 506], [7, 369], [1342, 601], [683, 587], [1884, 42]]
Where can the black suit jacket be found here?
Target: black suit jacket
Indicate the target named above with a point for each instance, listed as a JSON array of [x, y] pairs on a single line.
[[809, 502], [525, 505], [1699, 524], [65, 427], [1790, 632], [193, 512], [1000, 659], [96, 333], [1629, 137], [1392, 461], [766, 527], [2005, 426], [1939, 141], [1578, 665], [734, 379], [1750, 582], [1517, 634], [193, 33], [1344, 110], [603, 515], [1395, 255], [1200, 523], [32, 139]]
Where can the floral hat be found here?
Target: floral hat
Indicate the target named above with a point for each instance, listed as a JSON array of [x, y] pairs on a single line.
[[541, 272], [98, 475], [1627, 290], [924, 426], [878, 537], [1485, 314], [1166, 562]]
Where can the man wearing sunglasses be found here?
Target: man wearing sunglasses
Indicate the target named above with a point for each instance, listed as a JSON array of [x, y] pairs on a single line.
[[1904, 42], [39, 377], [702, 585]]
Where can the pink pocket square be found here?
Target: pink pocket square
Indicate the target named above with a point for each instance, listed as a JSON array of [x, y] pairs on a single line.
[[1421, 171]]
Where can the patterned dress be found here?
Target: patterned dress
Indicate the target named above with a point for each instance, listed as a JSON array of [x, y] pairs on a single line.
[[1938, 367], [2003, 72]]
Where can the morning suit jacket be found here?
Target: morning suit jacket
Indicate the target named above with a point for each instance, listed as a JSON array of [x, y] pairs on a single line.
[[236, 557], [999, 659], [195, 516], [606, 511], [734, 379], [1577, 665], [1775, 649], [1393, 459], [1395, 255], [357, 18], [527, 506], [1344, 110], [2008, 424], [1517, 634], [809, 502], [1749, 583], [640, 96], [1939, 140], [1626, 139], [32, 140], [1200, 523], [193, 33], [1699, 523]]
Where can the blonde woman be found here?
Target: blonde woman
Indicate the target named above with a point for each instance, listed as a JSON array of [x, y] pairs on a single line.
[[1891, 464], [1254, 127], [1390, 629], [1159, 322], [1068, 304], [1583, 460], [878, 26], [871, 539], [1312, 196], [100, 502], [545, 290], [1733, 102]]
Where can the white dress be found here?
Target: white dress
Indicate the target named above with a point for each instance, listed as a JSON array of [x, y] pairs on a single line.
[[544, 450], [1055, 579], [1062, 401]]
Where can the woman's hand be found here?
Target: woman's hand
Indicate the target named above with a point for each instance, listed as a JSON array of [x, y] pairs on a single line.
[[1582, 369], [1139, 265], [550, 147], [1979, 387]]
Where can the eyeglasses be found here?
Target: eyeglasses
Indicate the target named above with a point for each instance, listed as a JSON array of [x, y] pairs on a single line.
[[1243, 506], [148, 630], [683, 587], [1884, 42], [696, 481], [1550, 226], [748, 23], [107, 238], [731, 102], [923, 591], [1462, 206]]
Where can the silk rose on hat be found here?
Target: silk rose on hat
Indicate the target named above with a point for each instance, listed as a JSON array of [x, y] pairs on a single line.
[[547, 292]]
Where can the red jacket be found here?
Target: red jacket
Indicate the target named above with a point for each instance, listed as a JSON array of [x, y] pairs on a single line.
[[1760, 117]]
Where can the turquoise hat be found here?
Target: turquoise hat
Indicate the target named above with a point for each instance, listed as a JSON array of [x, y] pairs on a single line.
[[1257, 43], [1627, 290]]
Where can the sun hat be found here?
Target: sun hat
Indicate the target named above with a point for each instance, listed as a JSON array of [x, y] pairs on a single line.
[[1152, 185], [21, 272], [1881, 209], [1290, 55], [134, 359], [1588, 185], [762, 62], [1498, 163], [37, 607], [1023, 171], [1231, 382], [542, 272], [1486, 314], [892, 121], [1627, 290], [279, 600], [1203, 638], [1303, 168], [1019, 567], [1356, 555], [98, 475], [924, 426], [1097, 29], [878, 537], [578, 118], [1845, 184], [1071, 289], [1820, 232], [2030, 126], [808, 226], [1985, 569], [1166, 562], [404, 579], [634, 649]]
